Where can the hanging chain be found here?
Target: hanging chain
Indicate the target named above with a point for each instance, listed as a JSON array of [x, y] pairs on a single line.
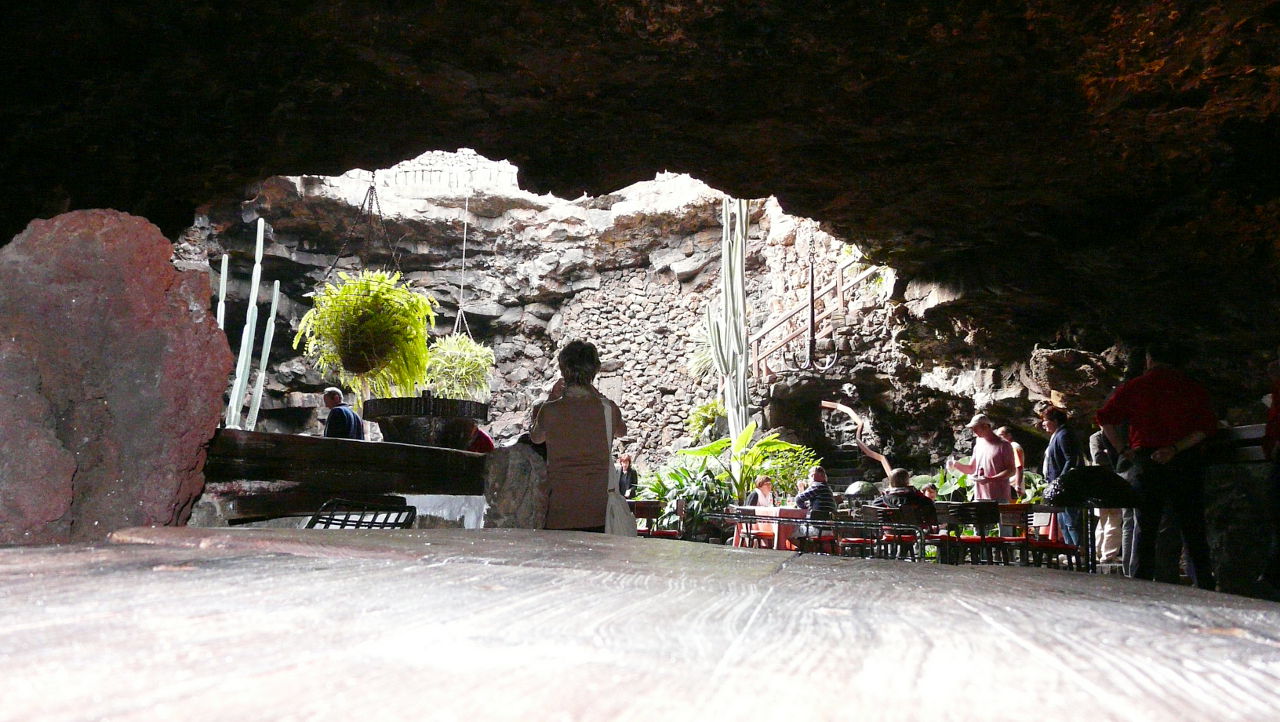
[[370, 211]]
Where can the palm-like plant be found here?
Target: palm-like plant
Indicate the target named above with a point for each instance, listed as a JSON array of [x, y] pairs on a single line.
[[741, 462]]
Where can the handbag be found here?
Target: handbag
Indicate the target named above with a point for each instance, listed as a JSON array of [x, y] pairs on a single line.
[[618, 518]]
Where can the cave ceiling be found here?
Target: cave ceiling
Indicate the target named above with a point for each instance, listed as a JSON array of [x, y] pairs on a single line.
[[1105, 163]]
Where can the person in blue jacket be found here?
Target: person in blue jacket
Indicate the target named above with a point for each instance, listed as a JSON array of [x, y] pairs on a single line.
[[1062, 455], [343, 421]]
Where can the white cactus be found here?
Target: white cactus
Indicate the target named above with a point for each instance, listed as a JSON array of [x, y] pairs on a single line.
[[727, 316]]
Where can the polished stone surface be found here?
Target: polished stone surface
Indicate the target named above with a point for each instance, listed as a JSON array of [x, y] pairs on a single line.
[[216, 624]]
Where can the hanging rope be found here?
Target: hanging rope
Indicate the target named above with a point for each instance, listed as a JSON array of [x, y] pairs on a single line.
[[460, 322]]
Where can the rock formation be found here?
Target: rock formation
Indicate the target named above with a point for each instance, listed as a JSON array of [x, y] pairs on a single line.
[[112, 371], [1081, 167]]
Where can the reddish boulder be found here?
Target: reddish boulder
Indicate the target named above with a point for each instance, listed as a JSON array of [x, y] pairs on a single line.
[[112, 371]]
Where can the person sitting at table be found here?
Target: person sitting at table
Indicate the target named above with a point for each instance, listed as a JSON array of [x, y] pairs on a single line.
[[901, 494], [930, 490], [817, 496], [818, 500], [762, 495]]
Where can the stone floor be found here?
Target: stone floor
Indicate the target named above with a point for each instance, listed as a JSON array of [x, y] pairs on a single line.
[[452, 624]]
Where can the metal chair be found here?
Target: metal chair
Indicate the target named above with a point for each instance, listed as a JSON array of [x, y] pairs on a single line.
[[1046, 552], [760, 535], [820, 537], [650, 510], [348, 514], [982, 546], [903, 535], [859, 533]]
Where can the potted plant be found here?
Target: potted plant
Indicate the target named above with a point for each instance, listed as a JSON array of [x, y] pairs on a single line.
[[373, 332], [459, 368]]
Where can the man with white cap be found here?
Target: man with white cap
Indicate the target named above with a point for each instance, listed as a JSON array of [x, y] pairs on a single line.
[[993, 461]]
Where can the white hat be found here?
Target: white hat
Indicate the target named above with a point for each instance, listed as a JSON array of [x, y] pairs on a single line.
[[979, 419]]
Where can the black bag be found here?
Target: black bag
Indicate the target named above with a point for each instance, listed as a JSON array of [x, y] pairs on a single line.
[[1091, 486]]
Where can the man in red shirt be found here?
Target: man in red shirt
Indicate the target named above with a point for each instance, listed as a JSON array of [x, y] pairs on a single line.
[[1169, 415]]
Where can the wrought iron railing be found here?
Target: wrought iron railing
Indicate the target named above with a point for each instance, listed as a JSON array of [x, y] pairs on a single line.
[[763, 349]]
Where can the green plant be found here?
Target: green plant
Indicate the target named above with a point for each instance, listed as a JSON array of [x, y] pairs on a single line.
[[459, 367], [701, 359], [695, 486], [1033, 486], [954, 486], [371, 331], [786, 466], [704, 416], [782, 460]]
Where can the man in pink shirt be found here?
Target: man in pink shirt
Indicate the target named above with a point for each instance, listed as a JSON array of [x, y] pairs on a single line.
[[993, 461]]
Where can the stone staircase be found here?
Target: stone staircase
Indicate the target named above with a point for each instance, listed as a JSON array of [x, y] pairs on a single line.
[[842, 468]]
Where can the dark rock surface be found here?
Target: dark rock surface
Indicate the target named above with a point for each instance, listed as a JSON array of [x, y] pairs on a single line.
[[1081, 166], [112, 371]]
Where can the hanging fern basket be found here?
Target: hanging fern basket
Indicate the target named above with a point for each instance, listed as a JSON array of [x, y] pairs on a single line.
[[371, 331], [458, 376]]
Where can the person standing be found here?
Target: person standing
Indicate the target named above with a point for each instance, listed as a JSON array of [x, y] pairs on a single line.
[[993, 462], [1019, 461], [1110, 521], [1169, 416], [342, 422], [1061, 456], [577, 423], [627, 476]]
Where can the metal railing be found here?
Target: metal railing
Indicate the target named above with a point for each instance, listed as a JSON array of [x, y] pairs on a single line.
[[838, 289]]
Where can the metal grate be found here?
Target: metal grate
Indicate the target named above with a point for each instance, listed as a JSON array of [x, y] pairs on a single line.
[[347, 514]]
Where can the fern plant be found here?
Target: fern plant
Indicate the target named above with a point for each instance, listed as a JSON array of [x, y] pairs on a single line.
[[459, 367], [371, 331]]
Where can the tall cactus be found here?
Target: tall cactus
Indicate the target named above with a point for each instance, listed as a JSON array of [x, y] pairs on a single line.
[[727, 317]]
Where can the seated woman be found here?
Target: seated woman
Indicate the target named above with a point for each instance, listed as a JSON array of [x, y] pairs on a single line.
[[762, 495]]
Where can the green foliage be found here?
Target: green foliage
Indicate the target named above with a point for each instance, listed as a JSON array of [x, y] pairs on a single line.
[[459, 367], [701, 360], [1032, 488], [782, 460], [786, 466], [954, 486], [371, 331], [693, 484], [920, 481], [704, 417]]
